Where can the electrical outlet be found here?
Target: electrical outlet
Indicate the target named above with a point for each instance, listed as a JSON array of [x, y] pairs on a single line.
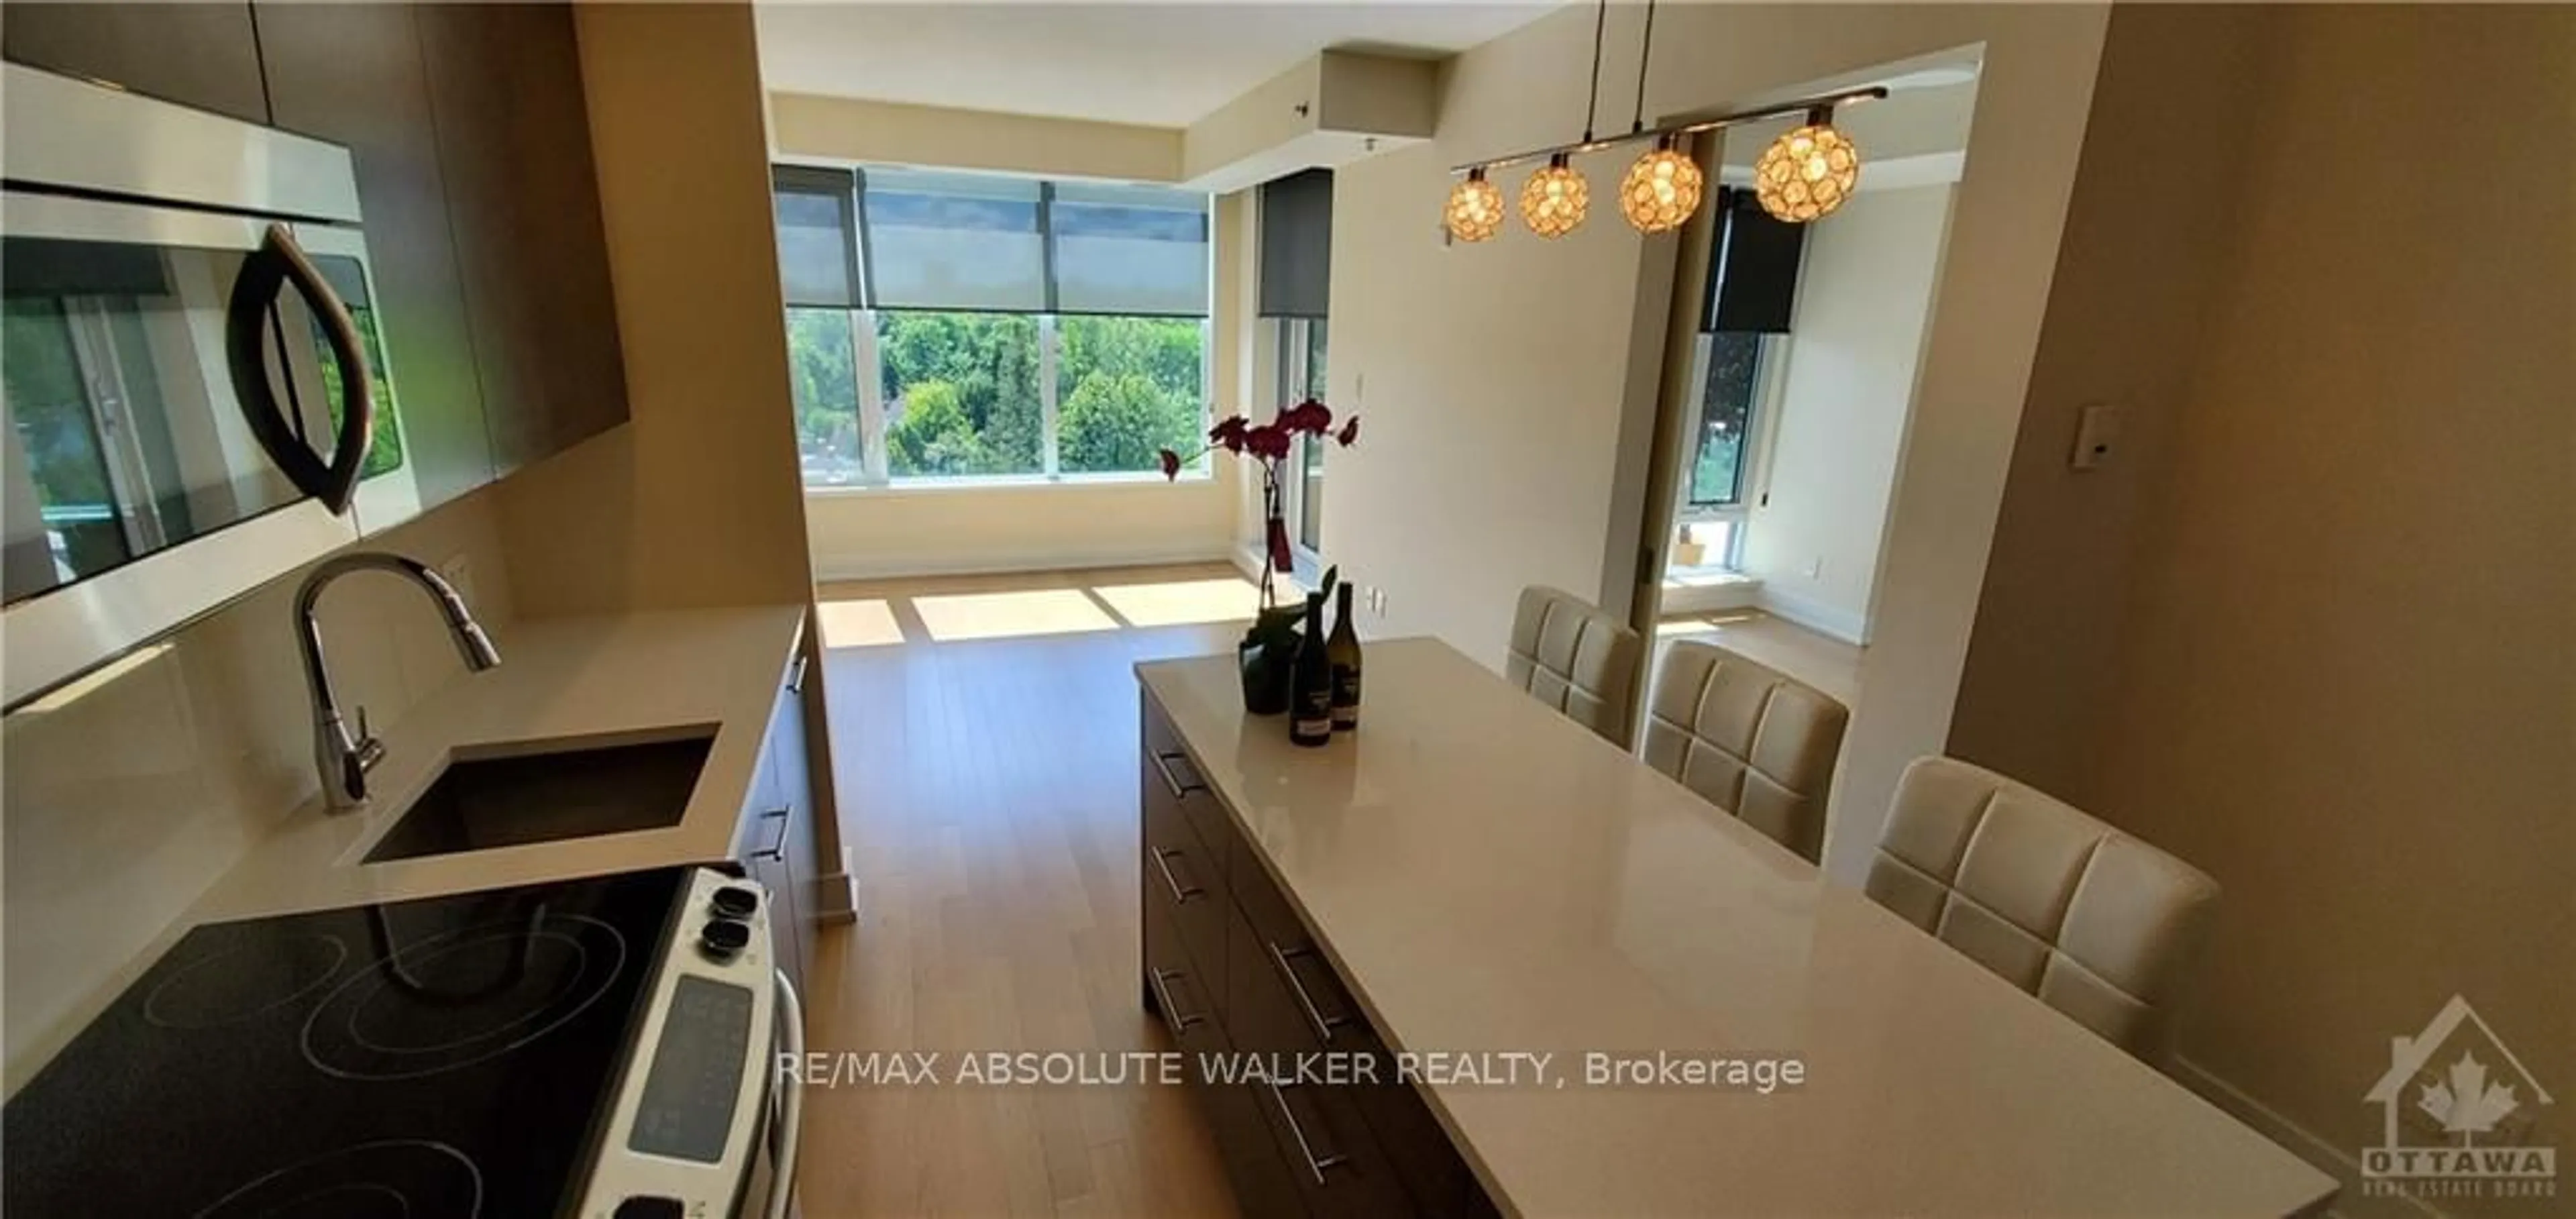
[[459, 573]]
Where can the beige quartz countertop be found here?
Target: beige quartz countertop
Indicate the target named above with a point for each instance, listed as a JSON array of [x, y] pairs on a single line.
[[586, 680], [1494, 878], [591, 680]]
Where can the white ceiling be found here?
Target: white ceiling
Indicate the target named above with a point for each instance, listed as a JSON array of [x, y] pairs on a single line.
[[1162, 65]]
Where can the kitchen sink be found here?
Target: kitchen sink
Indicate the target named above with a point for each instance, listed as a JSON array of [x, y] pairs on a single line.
[[514, 795]]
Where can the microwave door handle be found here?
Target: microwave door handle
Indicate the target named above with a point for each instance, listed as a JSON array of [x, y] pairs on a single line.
[[790, 1118], [278, 262]]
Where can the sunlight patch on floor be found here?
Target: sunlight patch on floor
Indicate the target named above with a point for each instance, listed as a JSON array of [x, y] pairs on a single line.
[[858, 624], [1181, 602], [1053, 611]]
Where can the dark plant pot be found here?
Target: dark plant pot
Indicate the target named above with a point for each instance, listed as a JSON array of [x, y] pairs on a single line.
[[1265, 679]]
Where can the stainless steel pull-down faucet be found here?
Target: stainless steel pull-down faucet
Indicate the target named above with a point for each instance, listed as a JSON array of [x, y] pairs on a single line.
[[344, 758]]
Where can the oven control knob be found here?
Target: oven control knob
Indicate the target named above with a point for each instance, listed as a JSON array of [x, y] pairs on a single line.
[[734, 901], [641, 1207], [723, 937]]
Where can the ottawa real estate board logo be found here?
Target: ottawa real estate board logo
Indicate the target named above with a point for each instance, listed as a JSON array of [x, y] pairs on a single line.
[[2460, 1116]]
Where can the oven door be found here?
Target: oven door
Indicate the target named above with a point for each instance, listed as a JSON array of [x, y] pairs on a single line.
[[768, 1188], [191, 409], [705, 1116]]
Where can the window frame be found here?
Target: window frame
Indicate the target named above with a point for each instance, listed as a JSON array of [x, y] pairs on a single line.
[[876, 474], [865, 317], [1753, 453]]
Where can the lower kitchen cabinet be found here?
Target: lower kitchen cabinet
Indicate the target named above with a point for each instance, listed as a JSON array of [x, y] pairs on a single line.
[[1229, 967], [776, 841]]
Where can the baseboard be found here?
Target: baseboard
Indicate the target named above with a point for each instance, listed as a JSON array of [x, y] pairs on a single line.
[[839, 568], [1812, 614], [2326, 1156], [836, 899], [1248, 561]]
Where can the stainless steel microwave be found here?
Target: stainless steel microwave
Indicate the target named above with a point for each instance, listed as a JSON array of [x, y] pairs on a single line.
[[196, 392]]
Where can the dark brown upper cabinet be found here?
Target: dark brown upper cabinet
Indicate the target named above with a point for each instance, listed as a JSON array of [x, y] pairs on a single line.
[[202, 55], [470, 135], [353, 74], [523, 197]]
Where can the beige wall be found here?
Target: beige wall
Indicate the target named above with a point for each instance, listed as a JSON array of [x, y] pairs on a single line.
[[1500, 381], [1864, 300], [845, 129], [2313, 632], [1020, 527], [129, 792], [695, 501]]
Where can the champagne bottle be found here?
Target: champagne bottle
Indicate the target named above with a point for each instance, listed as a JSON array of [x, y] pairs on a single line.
[[1310, 684], [1343, 649]]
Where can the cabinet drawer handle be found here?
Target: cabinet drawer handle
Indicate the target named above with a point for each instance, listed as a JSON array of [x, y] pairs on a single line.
[[1162, 980], [1314, 1164], [777, 848], [1324, 1025], [1181, 893], [1180, 791], [796, 677]]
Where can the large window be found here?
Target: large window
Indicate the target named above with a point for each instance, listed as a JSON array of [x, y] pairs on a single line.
[[1729, 379], [1301, 376], [1718, 483], [945, 326]]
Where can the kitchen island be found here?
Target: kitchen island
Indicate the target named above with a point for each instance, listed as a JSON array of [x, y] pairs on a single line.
[[1628, 977]]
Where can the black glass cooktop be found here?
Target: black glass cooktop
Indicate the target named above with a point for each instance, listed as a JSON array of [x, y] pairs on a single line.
[[430, 1059]]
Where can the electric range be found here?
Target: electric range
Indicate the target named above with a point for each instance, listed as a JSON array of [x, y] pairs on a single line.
[[565, 1048]]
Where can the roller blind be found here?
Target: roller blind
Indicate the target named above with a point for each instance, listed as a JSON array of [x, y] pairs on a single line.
[[1753, 271], [1128, 249], [817, 259], [1296, 244], [923, 239], [952, 241]]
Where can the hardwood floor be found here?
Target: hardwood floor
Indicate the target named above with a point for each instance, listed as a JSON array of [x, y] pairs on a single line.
[[984, 738]]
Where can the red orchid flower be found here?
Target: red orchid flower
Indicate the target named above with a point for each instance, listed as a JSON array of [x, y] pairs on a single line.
[[1350, 432], [1228, 433], [1267, 441], [1172, 464], [1310, 416]]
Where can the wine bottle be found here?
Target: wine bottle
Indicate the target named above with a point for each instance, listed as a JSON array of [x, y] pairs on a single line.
[[1310, 682], [1343, 649]]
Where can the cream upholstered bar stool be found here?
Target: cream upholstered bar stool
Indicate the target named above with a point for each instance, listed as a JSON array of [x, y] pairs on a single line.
[[1570, 655], [2099, 925], [1747, 738]]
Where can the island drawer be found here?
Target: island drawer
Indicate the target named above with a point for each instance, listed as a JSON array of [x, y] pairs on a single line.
[[1316, 1123], [1186, 882], [1227, 948], [1169, 769], [1186, 1001]]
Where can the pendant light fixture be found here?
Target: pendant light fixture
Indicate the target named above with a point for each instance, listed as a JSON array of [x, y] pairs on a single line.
[[1475, 211], [1664, 187], [1809, 171], [1556, 198], [1803, 175]]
